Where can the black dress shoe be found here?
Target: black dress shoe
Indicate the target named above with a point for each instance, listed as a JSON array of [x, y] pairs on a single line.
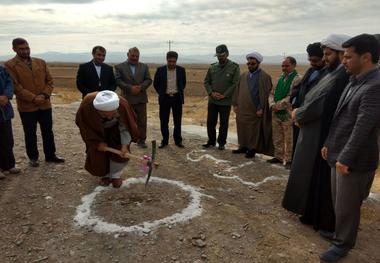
[[179, 144], [162, 145], [334, 254], [55, 159], [221, 147], [240, 150], [250, 154], [274, 160], [34, 163], [208, 145]]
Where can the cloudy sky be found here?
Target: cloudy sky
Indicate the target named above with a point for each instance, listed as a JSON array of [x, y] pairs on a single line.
[[272, 27]]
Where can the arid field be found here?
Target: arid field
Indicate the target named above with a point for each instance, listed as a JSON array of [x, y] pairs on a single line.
[[200, 206]]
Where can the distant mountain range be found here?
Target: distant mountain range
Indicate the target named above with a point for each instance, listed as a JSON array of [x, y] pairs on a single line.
[[116, 57]]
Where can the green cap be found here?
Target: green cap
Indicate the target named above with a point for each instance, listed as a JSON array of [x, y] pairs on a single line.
[[221, 49]]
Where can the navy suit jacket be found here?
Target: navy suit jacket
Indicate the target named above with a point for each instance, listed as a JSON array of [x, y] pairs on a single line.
[[88, 80], [161, 80]]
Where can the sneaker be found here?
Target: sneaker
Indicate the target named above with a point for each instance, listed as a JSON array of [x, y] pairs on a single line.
[[2, 176], [33, 163], [274, 160], [14, 170]]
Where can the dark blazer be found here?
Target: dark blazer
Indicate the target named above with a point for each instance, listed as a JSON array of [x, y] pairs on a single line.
[[88, 80], [161, 81], [352, 139], [125, 80]]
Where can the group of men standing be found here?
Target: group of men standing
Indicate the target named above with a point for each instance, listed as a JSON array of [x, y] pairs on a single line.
[[323, 127], [337, 119]]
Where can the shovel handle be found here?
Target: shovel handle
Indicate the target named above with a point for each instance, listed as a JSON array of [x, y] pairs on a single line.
[[128, 155]]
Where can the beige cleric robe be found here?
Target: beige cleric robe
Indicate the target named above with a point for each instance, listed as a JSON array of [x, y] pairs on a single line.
[[254, 132], [92, 131]]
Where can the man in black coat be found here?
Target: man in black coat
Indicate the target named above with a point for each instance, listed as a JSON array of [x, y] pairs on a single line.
[[351, 146], [312, 76], [169, 82], [95, 75]]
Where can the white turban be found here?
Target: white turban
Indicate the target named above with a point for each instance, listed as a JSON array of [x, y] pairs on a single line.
[[106, 100], [255, 55], [335, 41]]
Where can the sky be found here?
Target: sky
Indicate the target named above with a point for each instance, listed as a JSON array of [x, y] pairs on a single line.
[[272, 27]]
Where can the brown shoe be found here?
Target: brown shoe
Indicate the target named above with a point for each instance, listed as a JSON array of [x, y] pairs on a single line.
[[105, 181], [117, 182]]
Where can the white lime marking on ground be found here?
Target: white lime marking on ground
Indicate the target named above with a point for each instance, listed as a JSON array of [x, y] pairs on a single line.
[[237, 178], [86, 217], [204, 156], [239, 166], [230, 169]]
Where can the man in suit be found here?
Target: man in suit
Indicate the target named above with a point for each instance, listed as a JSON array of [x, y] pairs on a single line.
[[133, 78], [169, 82], [351, 146], [95, 75], [33, 88]]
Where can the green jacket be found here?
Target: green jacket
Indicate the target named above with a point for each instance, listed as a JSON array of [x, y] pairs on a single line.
[[222, 80]]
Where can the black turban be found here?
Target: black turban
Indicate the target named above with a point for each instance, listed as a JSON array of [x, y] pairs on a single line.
[[314, 50]]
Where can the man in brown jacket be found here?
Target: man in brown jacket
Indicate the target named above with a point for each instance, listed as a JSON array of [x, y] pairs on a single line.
[[105, 119], [33, 87]]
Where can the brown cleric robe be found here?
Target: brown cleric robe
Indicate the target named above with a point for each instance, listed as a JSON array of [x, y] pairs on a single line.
[[254, 132], [92, 131]]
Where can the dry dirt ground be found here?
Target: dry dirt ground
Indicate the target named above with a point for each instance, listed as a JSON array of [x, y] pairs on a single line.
[[201, 206]]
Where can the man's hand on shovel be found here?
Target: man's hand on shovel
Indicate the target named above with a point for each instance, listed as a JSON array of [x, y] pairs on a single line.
[[148, 161], [124, 151], [102, 147]]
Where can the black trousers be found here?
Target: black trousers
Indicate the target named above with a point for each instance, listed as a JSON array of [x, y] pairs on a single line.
[[174, 104], [29, 122], [7, 159], [212, 118], [141, 115]]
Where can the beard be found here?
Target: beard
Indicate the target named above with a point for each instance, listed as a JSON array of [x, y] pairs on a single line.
[[333, 65]]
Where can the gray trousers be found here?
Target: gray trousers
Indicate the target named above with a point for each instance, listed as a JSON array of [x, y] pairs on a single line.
[[348, 193], [116, 169]]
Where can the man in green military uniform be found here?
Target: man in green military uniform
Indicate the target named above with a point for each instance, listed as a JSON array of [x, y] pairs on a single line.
[[220, 82]]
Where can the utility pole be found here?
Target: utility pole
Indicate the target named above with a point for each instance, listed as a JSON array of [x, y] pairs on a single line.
[[170, 44]]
